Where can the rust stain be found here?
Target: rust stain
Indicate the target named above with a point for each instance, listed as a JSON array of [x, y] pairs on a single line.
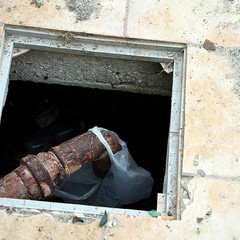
[[38, 175]]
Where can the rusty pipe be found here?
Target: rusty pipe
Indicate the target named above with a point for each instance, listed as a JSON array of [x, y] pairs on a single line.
[[38, 175]]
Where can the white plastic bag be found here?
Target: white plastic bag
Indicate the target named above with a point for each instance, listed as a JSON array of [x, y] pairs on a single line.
[[125, 182]]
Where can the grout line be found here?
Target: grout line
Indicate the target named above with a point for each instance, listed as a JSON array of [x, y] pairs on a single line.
[[125, 25]]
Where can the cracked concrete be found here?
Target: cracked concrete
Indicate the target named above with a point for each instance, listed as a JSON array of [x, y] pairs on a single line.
[[85, 71]]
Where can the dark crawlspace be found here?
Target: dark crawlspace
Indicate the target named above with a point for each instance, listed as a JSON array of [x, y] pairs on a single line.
[[37, 116]]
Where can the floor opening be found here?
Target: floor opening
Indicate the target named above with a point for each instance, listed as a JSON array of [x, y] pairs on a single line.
[[141, 120], [142, 83]]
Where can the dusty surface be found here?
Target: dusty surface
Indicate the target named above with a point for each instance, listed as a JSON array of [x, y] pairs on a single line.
[[215, 128], [184, 21], [210, 181], [100, 17], [84, 9], [84, 71], [204, 221]]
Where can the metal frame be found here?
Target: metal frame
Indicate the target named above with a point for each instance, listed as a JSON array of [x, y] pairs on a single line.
[[113, 47]]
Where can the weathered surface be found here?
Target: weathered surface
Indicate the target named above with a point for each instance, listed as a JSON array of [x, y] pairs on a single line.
[[93, 72], [211, 134], [84, 9], [100, 17], [38, 175]]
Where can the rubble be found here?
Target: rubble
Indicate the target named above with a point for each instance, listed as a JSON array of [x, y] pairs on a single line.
[[208, 45]]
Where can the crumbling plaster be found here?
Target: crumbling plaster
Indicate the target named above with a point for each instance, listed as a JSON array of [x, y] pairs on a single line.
[[86, 71], [212, 125]]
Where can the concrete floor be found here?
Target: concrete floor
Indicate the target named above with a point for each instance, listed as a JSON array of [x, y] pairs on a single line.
[[210, 172]]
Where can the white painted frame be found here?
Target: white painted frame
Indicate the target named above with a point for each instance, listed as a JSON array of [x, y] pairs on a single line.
[[114, 47]]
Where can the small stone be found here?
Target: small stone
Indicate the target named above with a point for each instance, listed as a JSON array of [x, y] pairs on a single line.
[[208, 45], [201, 172], [196, 161]]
